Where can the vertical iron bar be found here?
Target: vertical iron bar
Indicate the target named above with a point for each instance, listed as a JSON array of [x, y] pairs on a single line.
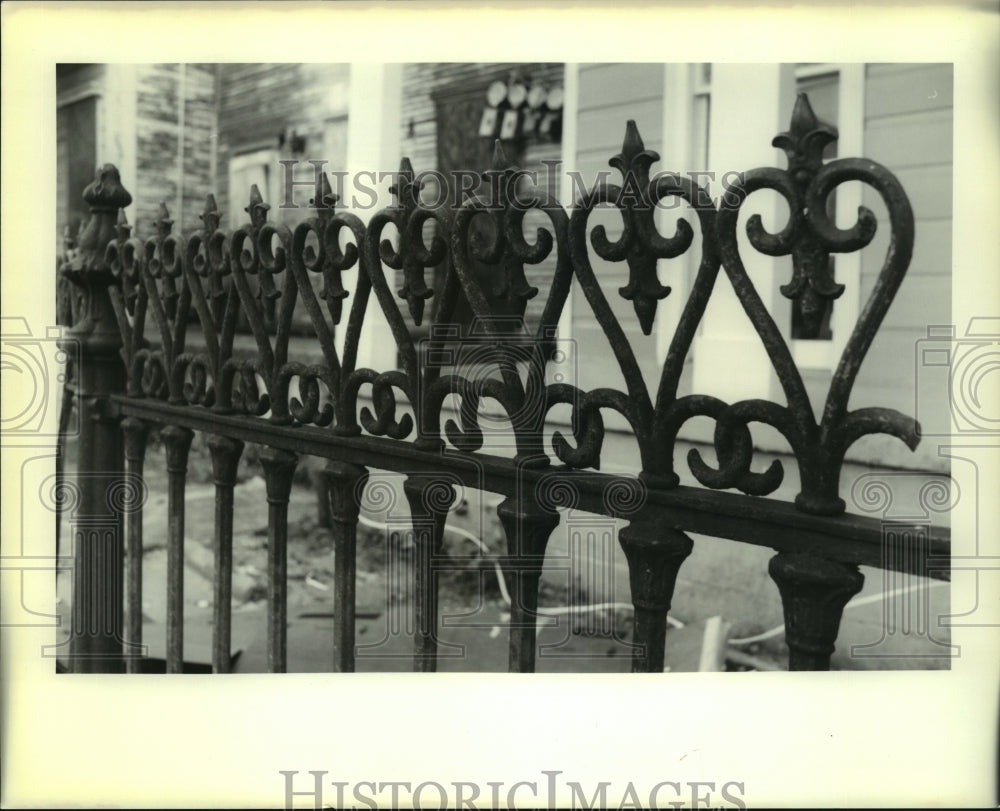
[[136, 433], [814, 592], [279, 467], [226, 454], [345, 483], [527, 527], [177, 441], [654, 553], [430, 499]]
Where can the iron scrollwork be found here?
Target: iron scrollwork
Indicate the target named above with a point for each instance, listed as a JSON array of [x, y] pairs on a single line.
[[262, 270]]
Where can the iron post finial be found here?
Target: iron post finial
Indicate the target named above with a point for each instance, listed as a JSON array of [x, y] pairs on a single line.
[[105, 196], [106, 192]]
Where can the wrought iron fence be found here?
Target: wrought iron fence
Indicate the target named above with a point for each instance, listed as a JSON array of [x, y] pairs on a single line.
[[137, 371]]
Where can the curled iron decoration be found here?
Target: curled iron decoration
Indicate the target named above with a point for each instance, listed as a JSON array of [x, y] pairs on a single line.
[[504, 346], [263, 269], [809, 236], [161, 266], [641, 246]]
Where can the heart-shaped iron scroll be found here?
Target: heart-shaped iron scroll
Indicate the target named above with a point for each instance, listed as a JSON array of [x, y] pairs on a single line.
[[641, 246], [207, 264], [500, 344], [412, 256], [161, 280], [169, 300], [313, 405], [809, 236]]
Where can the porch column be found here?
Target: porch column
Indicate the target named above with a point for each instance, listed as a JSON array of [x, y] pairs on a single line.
[[373, 145], [750, 105]]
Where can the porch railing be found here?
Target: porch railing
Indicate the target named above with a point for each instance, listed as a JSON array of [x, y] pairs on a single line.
[[137, 372]]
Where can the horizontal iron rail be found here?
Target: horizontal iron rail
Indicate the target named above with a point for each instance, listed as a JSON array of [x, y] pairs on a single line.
[[854, 539]]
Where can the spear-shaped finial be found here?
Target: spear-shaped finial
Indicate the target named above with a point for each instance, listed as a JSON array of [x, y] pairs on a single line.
[[122, 228], [634, 156], [164, 224], [501, 162], [405, 189], [210, 215], [323, 199], [804, 141], [257, 209]]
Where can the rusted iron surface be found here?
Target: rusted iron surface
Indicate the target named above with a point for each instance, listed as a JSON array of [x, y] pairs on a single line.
[[164, 278], [279, 467], [814, 592], [226, 454], [429, 499], [345, 484], [177, 443], [528, 526], [392, 418], [98, 589], [136, 435], [655, 553]]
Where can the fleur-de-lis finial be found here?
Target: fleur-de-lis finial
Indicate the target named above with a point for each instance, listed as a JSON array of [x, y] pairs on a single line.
[[122, 228], [804, 141], [405, 189], [414, 290], [210, 215], [163, 223], [634, 160], [323, 199], [643, 289], [257, 209], [812, 285]]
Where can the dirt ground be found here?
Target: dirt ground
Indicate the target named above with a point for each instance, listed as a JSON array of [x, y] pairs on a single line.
[[474, 611]]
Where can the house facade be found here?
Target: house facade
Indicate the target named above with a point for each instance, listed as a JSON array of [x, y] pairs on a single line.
[[177, 131]]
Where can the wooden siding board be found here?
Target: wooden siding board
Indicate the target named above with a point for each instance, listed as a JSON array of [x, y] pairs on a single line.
[[928, 187], [912, 140], [894, 89], [931, 250], [625, 83]]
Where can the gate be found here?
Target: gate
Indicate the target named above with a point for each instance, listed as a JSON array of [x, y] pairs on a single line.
[[138, 373]]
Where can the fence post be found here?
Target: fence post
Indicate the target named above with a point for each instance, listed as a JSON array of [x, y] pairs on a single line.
[[527, 526], [655, 554], [429, 499], [345, 483], [96, 632], [814, 592]]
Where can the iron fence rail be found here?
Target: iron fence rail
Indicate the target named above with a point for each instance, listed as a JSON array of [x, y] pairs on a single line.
[[138, 374]]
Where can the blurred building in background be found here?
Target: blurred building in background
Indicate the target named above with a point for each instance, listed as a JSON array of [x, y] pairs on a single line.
[[178, 131]]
